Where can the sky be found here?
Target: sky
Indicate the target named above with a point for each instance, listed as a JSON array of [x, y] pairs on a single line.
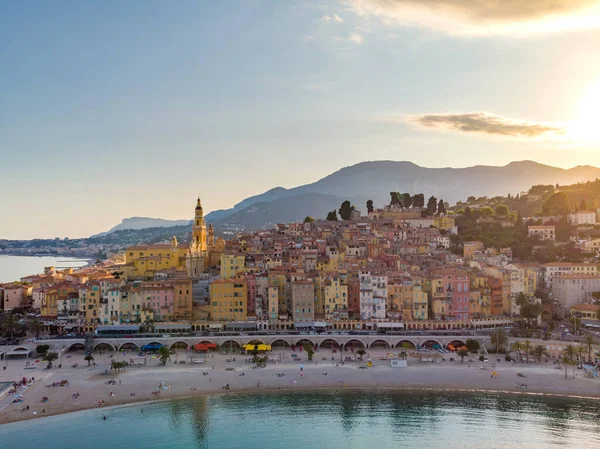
[[115, 109]]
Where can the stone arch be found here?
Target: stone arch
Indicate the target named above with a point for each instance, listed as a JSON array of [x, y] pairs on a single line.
[[103, 346], [303, 341], [205, 342], [279, 343], [130, 346], [431, 344], [456, 343], [402, 342], [230, 345], [355, 343], [255, 342], [76, 347], [379, 344], [180, 344], [329, 343]]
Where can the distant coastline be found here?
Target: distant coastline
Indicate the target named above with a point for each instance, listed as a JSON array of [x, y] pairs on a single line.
[[13, 267]]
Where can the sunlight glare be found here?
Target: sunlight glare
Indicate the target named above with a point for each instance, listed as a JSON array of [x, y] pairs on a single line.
[[586, 126]]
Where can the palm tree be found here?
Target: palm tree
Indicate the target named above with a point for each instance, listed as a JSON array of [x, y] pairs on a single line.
[[538, 352], [35, 326], [580, 351], [89, 358], [462, 353], [517, 346], [570, 354], [361, 352], [10, 324], [163, 355], [527, 347], [310, 352], [589, 341], [498, 338], [50, 357]]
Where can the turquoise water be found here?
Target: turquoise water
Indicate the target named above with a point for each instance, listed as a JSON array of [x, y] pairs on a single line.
[[12, 268], [346, 420]]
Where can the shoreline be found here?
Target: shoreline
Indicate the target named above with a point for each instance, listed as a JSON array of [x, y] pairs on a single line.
[[303, 390], [188, 383]]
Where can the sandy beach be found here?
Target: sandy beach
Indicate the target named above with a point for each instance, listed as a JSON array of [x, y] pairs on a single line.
[[89, 385]]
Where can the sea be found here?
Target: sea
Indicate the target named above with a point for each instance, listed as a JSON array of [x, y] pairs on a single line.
[[329, 420], [12, 268]]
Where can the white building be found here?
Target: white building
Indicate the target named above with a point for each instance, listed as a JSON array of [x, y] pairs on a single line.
[[572, 289], [582, 217], [550, 270], [373, 296], [443, 241], [544, 232]]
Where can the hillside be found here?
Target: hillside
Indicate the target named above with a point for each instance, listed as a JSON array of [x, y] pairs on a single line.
[[143, 223], [375, 180]]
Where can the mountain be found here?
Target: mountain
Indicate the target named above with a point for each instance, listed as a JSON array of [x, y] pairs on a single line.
[[143, 223], [375, 180]]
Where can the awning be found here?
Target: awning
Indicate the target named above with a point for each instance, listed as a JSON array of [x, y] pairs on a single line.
[[204, 346], [264, 347], [248, 347], [152, 346]]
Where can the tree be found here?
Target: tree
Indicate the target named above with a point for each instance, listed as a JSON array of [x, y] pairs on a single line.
[[502, 210], [118, 366], [471, 200], [164, 354], [538, 352], [589, 341], [361, 352], [580, 352], [583, 205], [499, 338], [395, 199], [441, 209], [557, 204], [332, 216], [472, 345], [310, 352], [527, 347], [35, 326], [309, 219], [570, 358], [517, 346], [406, 200], [346, 210], [431, 205], [41, 349], [487, 212], [50, 357], [88, 358], [370, 206], [418, 200], [10, 325], [462, 353]]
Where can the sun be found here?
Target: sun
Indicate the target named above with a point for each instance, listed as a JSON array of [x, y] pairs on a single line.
[[586, 126]]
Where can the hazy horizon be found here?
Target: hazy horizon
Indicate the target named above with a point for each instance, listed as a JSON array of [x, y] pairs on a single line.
[[114, 110]]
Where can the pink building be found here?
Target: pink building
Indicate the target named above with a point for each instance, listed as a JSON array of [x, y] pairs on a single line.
[[15, 295], [160, 298], [457, 290], [251, 288]]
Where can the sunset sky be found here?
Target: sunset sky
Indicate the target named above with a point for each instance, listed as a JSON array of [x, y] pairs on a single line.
[[115, 109]]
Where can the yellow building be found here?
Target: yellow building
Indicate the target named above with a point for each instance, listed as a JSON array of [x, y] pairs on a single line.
[[232, 264], [331, 297], [228, 300], [143, 261], [444, 223], [438, 301], [470, 248], [420, 305], [182, 300]]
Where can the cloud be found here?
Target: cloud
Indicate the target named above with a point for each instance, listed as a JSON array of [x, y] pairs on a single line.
[[485, 16], [356, 38], [484, 123], [328, 19]]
